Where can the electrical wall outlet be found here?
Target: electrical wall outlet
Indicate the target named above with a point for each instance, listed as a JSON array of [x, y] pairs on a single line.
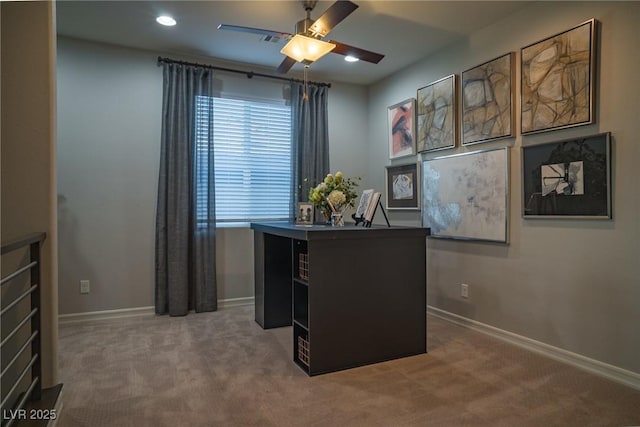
[[464, 290], [85, 287]]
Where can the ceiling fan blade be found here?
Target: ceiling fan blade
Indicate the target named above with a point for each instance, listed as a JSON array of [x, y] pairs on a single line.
[[365, 55], [278, 34], [332, 17], [285, 65]]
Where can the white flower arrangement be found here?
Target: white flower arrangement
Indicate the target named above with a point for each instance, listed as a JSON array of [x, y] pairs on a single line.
[[335, 191]]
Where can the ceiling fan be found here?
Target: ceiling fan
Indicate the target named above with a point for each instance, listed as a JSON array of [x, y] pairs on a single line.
[[308, 30]]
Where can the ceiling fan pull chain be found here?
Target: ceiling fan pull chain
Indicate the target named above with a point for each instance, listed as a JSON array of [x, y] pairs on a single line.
[[305, 95]]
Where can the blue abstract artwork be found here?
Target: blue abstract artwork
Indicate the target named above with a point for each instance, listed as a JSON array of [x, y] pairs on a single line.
[[465, 196]]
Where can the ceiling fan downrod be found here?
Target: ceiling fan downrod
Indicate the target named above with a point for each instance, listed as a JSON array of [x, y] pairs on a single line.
[[309, 5], [302, 27]]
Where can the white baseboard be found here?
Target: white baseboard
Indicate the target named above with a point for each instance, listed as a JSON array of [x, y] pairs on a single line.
[[139, 311], [235, 302], [106, 314], [611, 372]]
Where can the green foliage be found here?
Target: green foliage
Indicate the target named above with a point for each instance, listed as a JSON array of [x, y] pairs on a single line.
[[337, 189]]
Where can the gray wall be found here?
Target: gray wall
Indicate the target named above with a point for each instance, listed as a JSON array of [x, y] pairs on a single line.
[[109, 104], [108, 153], [28, 150], [568, 283]]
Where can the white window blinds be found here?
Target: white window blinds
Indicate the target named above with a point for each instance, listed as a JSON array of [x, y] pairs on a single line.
[[252, 153]]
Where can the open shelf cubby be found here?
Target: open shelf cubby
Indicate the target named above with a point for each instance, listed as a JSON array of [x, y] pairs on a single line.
[[301, 304], [301, 347], [300, 260]]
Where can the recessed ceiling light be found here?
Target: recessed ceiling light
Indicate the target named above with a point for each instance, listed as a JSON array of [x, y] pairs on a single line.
[[166, 20], [350, 58]]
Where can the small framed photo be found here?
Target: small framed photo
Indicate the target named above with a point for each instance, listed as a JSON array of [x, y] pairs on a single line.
[[402, 187], [365, 198], [304, 214], [568, 179], [402, 129]]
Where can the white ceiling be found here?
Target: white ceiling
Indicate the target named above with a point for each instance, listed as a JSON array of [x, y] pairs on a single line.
[[404, 31]]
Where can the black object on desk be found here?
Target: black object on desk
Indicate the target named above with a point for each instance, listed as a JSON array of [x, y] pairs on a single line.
[[354, 295], [366, 223]]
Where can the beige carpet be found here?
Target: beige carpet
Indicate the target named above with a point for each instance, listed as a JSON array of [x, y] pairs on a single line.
[[222, 369]]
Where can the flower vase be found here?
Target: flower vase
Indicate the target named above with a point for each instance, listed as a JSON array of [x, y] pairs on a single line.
[[326, 214], [337, 219]]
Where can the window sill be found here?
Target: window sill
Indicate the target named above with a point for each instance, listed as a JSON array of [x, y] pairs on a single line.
[[240, 224], [243, 224]]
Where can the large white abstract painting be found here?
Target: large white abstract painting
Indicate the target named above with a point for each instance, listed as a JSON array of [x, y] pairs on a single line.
[[465, 196]]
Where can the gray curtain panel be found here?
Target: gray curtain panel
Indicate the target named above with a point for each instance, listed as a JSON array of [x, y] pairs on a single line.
[[310, 138], [185, 217]]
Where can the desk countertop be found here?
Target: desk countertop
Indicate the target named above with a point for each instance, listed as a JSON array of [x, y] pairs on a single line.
[[326, 232]]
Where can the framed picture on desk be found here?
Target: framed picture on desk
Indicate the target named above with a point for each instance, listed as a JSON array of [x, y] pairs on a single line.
[[304, 213], [364, 202]]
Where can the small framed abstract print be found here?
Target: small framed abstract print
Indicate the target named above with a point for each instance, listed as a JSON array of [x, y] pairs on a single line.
[[401, 119], [402, 184]]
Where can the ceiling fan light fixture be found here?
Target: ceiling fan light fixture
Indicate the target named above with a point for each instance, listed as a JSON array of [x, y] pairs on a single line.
[[350, 58], [166, 21], [302, 48]]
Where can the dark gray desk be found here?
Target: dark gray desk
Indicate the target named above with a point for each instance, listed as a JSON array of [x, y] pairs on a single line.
[[362, 300]]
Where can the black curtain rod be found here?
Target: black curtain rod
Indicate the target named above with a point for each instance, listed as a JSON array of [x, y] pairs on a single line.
[[249, 74]]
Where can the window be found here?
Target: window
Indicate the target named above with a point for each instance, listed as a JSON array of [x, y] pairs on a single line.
[[252, 152]]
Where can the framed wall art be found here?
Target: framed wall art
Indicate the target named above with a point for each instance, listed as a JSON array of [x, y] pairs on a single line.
[[558, 80], [465, 196], [487, 101], [402, 184], [568, 179], [436, 115], [401, 120]]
